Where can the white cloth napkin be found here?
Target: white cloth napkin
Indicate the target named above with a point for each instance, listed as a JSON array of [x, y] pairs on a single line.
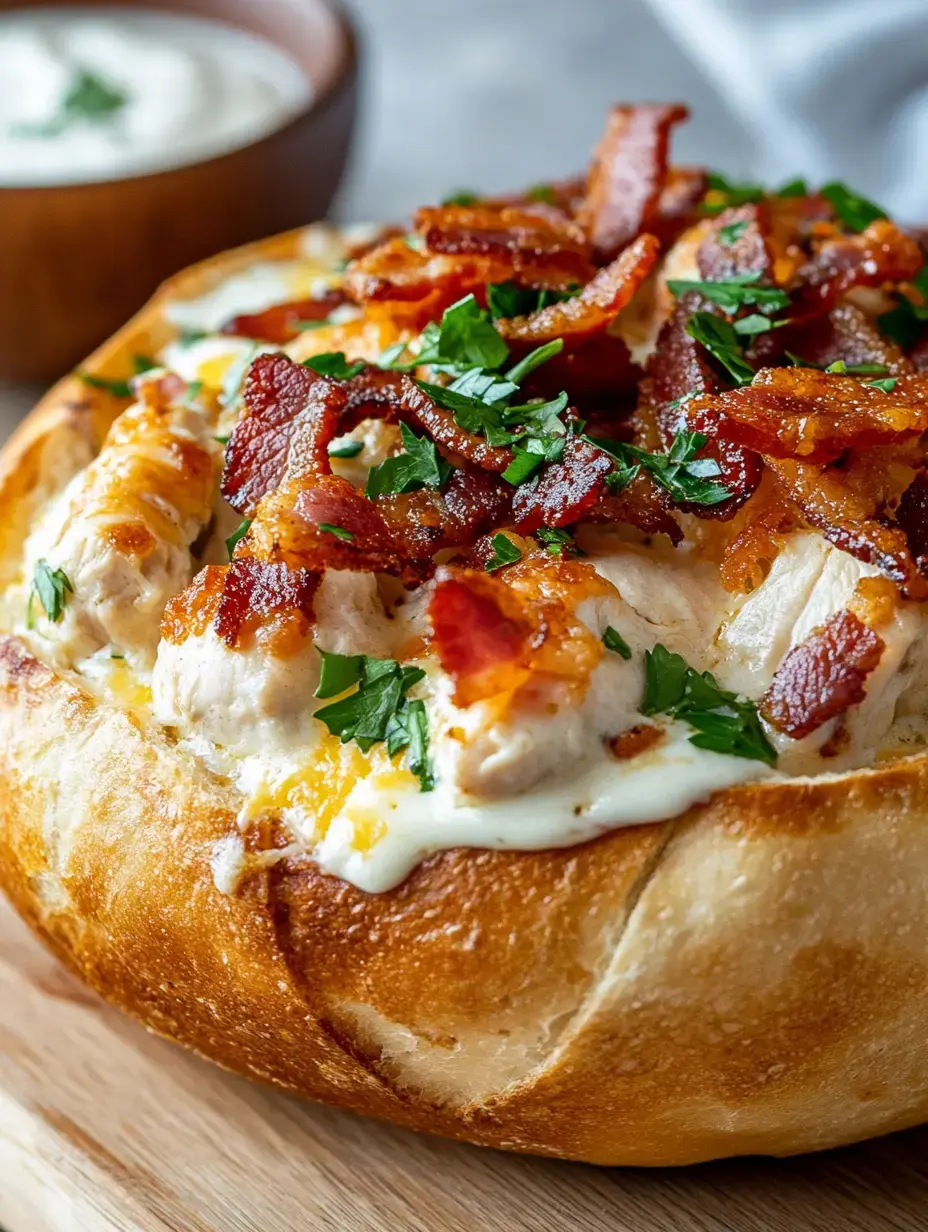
[[829, 89]]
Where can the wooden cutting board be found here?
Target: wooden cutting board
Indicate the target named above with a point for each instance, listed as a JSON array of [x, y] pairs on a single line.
[[104, 1128]]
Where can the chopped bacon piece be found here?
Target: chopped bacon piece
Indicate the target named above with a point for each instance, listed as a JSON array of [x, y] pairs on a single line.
[[635, 741], [882, 253], [638, 505], [256, 593], [281, 323], [601, 376], [289, 410], [823, 676], [565, 490], [850, 518], [912, 516], [439, 423], [372, 394], [472, 502], [479, 632], [746, 254], [846, 334], [596, 306], [816, 416], [628, 176], [684, 190], [541, 246], [190, 613], [678, 368], [748, 557]]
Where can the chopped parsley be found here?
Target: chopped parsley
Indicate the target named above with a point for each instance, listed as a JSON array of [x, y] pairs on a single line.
[[508, 299], [333, 364], [378, 710], [679, 471], [420, 466], [723, 343], [88, 99], [906, 322], [120, 389], [237, 536], [188, 337], [465, 338], [794, 188], [51, 587], [724, 722], [305, 327], [535, 359], [505, 553], [856, 212], [885, 385], [543, 193], [557, 542], [723, 193], [735, 292], [614, 641], [839, 367], [733, 232], [462, 197], [338, 531], [223, 440], [346, 449], [191, 393]]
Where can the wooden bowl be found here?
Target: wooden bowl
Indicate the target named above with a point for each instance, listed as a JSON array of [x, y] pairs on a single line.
[[76, 261]]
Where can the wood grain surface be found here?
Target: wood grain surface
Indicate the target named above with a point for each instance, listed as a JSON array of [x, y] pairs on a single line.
[[103, 1128]]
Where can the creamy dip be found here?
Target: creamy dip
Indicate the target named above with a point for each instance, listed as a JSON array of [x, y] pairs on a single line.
[[92, 94]]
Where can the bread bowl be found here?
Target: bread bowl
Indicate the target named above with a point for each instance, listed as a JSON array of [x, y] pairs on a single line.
[[530, 913]]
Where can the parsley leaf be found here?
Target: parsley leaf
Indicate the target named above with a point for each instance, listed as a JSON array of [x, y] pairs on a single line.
[[906, 322], [856, 212], [613, 640], [734, 231], [885, 385], [839, 367], [345, 449], [237, 536], [334, 364], [723, 343], [679, 471], [51, 587], [735, 292], [723, 194], [508, 299], [724, 722], [119, 389], [462, 197], [471, 414], [378, 710], [794, 188], [505, 553], [534, 360], [306, 327], [339, 532], [88, 99], [542, 192], [557, 542], [421, 466]]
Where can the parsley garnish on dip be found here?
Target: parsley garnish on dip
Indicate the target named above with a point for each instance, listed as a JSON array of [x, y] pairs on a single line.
[[97, 107], [51, 588]]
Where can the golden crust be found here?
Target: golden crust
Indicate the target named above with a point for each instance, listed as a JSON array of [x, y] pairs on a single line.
[[750, 977]]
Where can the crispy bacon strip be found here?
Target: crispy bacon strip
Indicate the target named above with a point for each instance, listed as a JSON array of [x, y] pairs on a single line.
[[638, 505], [602, 379], [679, 367], [747, 253], [288, 409], [541, 246], [815, 416], [596, 306], [822, 677], [480, 634], [628, 176], [256, 593], [281, 323], [425, 522], [849, 517], [418, 407], [683, 192], [565, 490], [882, 253]]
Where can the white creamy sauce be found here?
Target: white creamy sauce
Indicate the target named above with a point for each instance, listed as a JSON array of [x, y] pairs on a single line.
[[90, 94]]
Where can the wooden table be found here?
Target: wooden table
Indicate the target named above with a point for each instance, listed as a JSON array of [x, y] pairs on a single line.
[[105, 1129]]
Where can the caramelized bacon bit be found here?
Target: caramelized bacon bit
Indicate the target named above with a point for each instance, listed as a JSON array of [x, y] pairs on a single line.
[[804, 413], [912, 517], [565, 490], [746, 254], [281, 323], [289, 411], [846, 334], [596, 306], [849, 517], [628, 176], [882, 253], [439, 423], [257, 594], [540, 246], [747, 558], [601, 377], [473, 501], [190, 613], [479, 632], [635, 741], [638, 505], [822, 677], [683, 192]]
